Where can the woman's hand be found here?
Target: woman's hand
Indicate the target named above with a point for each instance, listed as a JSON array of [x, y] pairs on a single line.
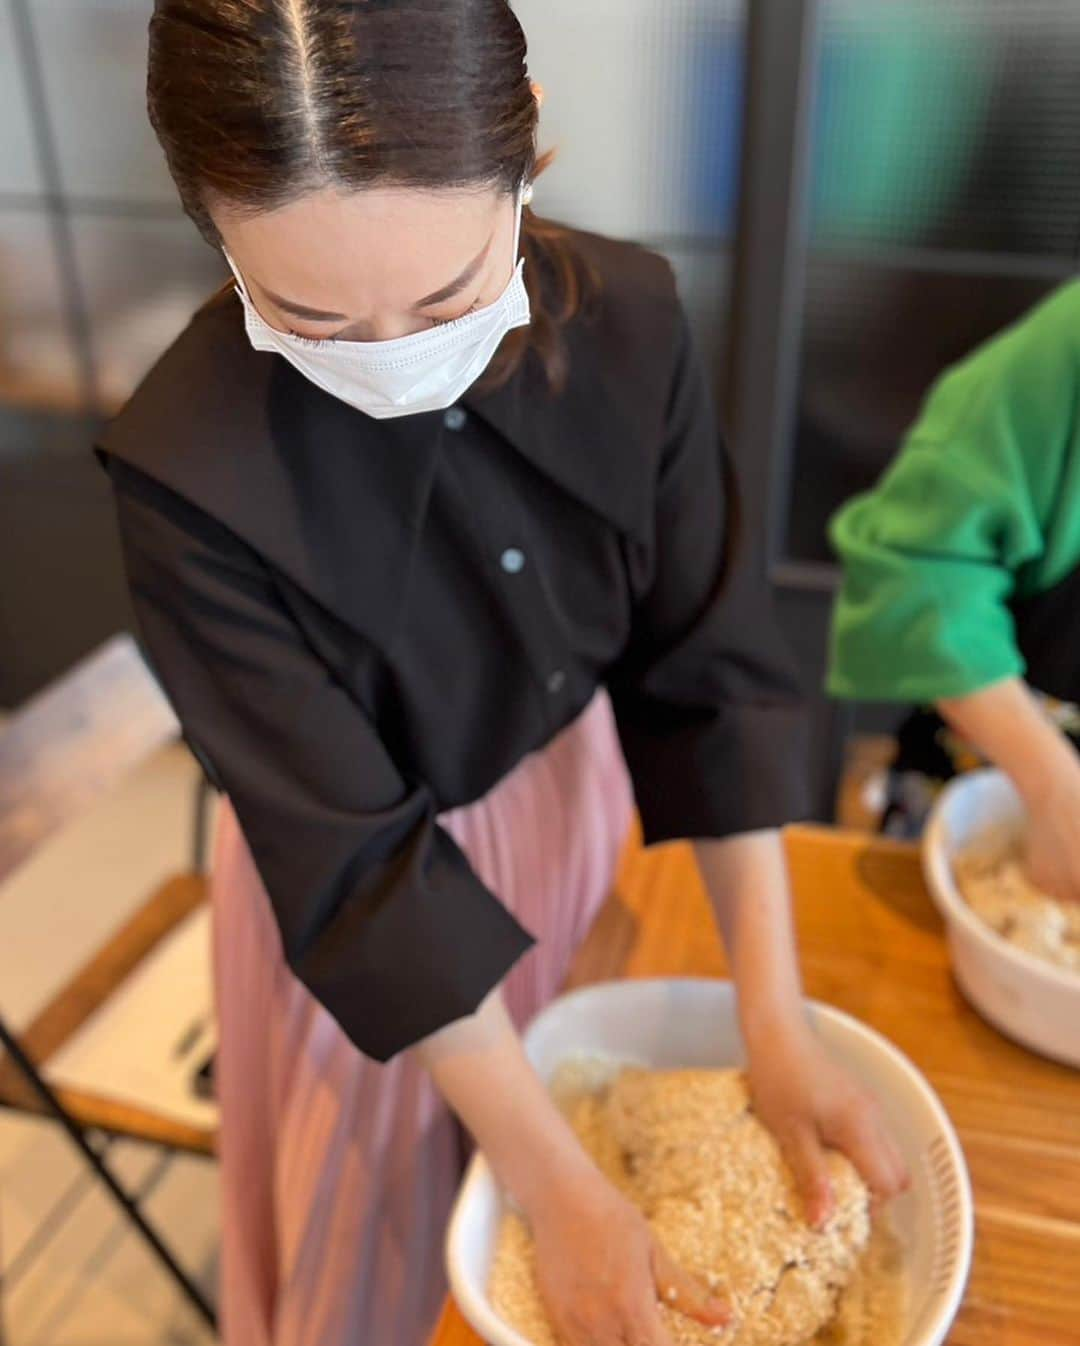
[[808, 1101], [1053, 835], [811, 1104], [1009, 726], [601, 1272]]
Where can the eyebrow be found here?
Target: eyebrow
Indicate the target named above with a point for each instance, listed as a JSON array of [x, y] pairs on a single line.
[[302, 310], [456, 286], [429, 301]]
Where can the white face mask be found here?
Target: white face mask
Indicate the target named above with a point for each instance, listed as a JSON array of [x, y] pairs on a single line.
[[424, 371]]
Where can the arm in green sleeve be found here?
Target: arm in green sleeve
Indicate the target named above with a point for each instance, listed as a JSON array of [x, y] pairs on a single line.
[[971, 506]]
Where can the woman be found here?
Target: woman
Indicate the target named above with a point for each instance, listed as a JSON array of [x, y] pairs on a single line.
[[962, 580], [412, 623]]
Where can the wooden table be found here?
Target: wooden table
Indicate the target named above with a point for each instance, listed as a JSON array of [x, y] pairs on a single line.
[[872, 944]]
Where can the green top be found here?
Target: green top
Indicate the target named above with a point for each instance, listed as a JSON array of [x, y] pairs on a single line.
[[982, 503]]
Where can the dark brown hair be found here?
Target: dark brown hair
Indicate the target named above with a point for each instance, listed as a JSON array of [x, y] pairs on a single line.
[[258, 102]]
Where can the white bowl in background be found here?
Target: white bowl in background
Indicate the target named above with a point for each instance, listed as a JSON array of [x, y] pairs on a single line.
[[670, 1023], [1024, 996]]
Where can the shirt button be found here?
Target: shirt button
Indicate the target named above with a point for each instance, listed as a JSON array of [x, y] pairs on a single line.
[[512, 561], [455, 418], [556, 682]]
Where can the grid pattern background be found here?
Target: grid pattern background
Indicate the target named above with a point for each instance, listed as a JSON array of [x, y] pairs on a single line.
[[945, 202]]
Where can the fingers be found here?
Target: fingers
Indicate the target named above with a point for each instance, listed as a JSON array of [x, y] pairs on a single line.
[[860, 1132], [1049, 864], [806, 1157], [684, 1292], [901, 1172], [1048, 877]]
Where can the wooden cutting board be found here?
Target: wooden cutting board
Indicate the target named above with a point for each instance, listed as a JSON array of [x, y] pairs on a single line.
[[872, 944]]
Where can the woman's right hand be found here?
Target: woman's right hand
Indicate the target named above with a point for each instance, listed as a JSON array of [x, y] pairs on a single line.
[[602, 1274]]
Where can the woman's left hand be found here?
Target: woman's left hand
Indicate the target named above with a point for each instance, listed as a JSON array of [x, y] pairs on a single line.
[[811, 1103], [803, 1096]]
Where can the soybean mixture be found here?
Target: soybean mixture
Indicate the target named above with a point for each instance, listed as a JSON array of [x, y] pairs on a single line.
[[686, 1147]]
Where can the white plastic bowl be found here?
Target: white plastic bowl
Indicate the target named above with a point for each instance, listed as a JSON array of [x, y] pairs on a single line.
[[683, 1022], [1024, 996]]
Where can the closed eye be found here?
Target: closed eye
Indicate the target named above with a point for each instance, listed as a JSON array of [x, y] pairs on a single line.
[[444, 322], [306, 336], [340, 336]]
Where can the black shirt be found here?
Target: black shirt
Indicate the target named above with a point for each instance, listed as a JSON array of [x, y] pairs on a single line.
[[362, 623]]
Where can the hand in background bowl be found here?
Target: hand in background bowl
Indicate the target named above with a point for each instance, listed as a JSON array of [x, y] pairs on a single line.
[[1010, 727], [1053, 836]]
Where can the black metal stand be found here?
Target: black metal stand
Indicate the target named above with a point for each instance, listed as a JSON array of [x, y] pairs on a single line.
[[204, 794], [130, 1207]]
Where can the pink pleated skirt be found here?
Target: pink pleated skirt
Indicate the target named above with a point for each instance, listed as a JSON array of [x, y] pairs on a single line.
[[338, 1173]]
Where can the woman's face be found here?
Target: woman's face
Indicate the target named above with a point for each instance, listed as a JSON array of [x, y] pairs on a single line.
[[375, 264]]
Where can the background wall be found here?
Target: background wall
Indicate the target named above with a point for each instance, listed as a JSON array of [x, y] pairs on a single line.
[[98, 271]]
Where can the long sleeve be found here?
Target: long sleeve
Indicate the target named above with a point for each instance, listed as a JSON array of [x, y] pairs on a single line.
[[708, 707], [979, 507], [379, 912]]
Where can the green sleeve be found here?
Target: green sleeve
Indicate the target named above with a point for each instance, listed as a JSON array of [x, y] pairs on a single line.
[[981, 502]]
